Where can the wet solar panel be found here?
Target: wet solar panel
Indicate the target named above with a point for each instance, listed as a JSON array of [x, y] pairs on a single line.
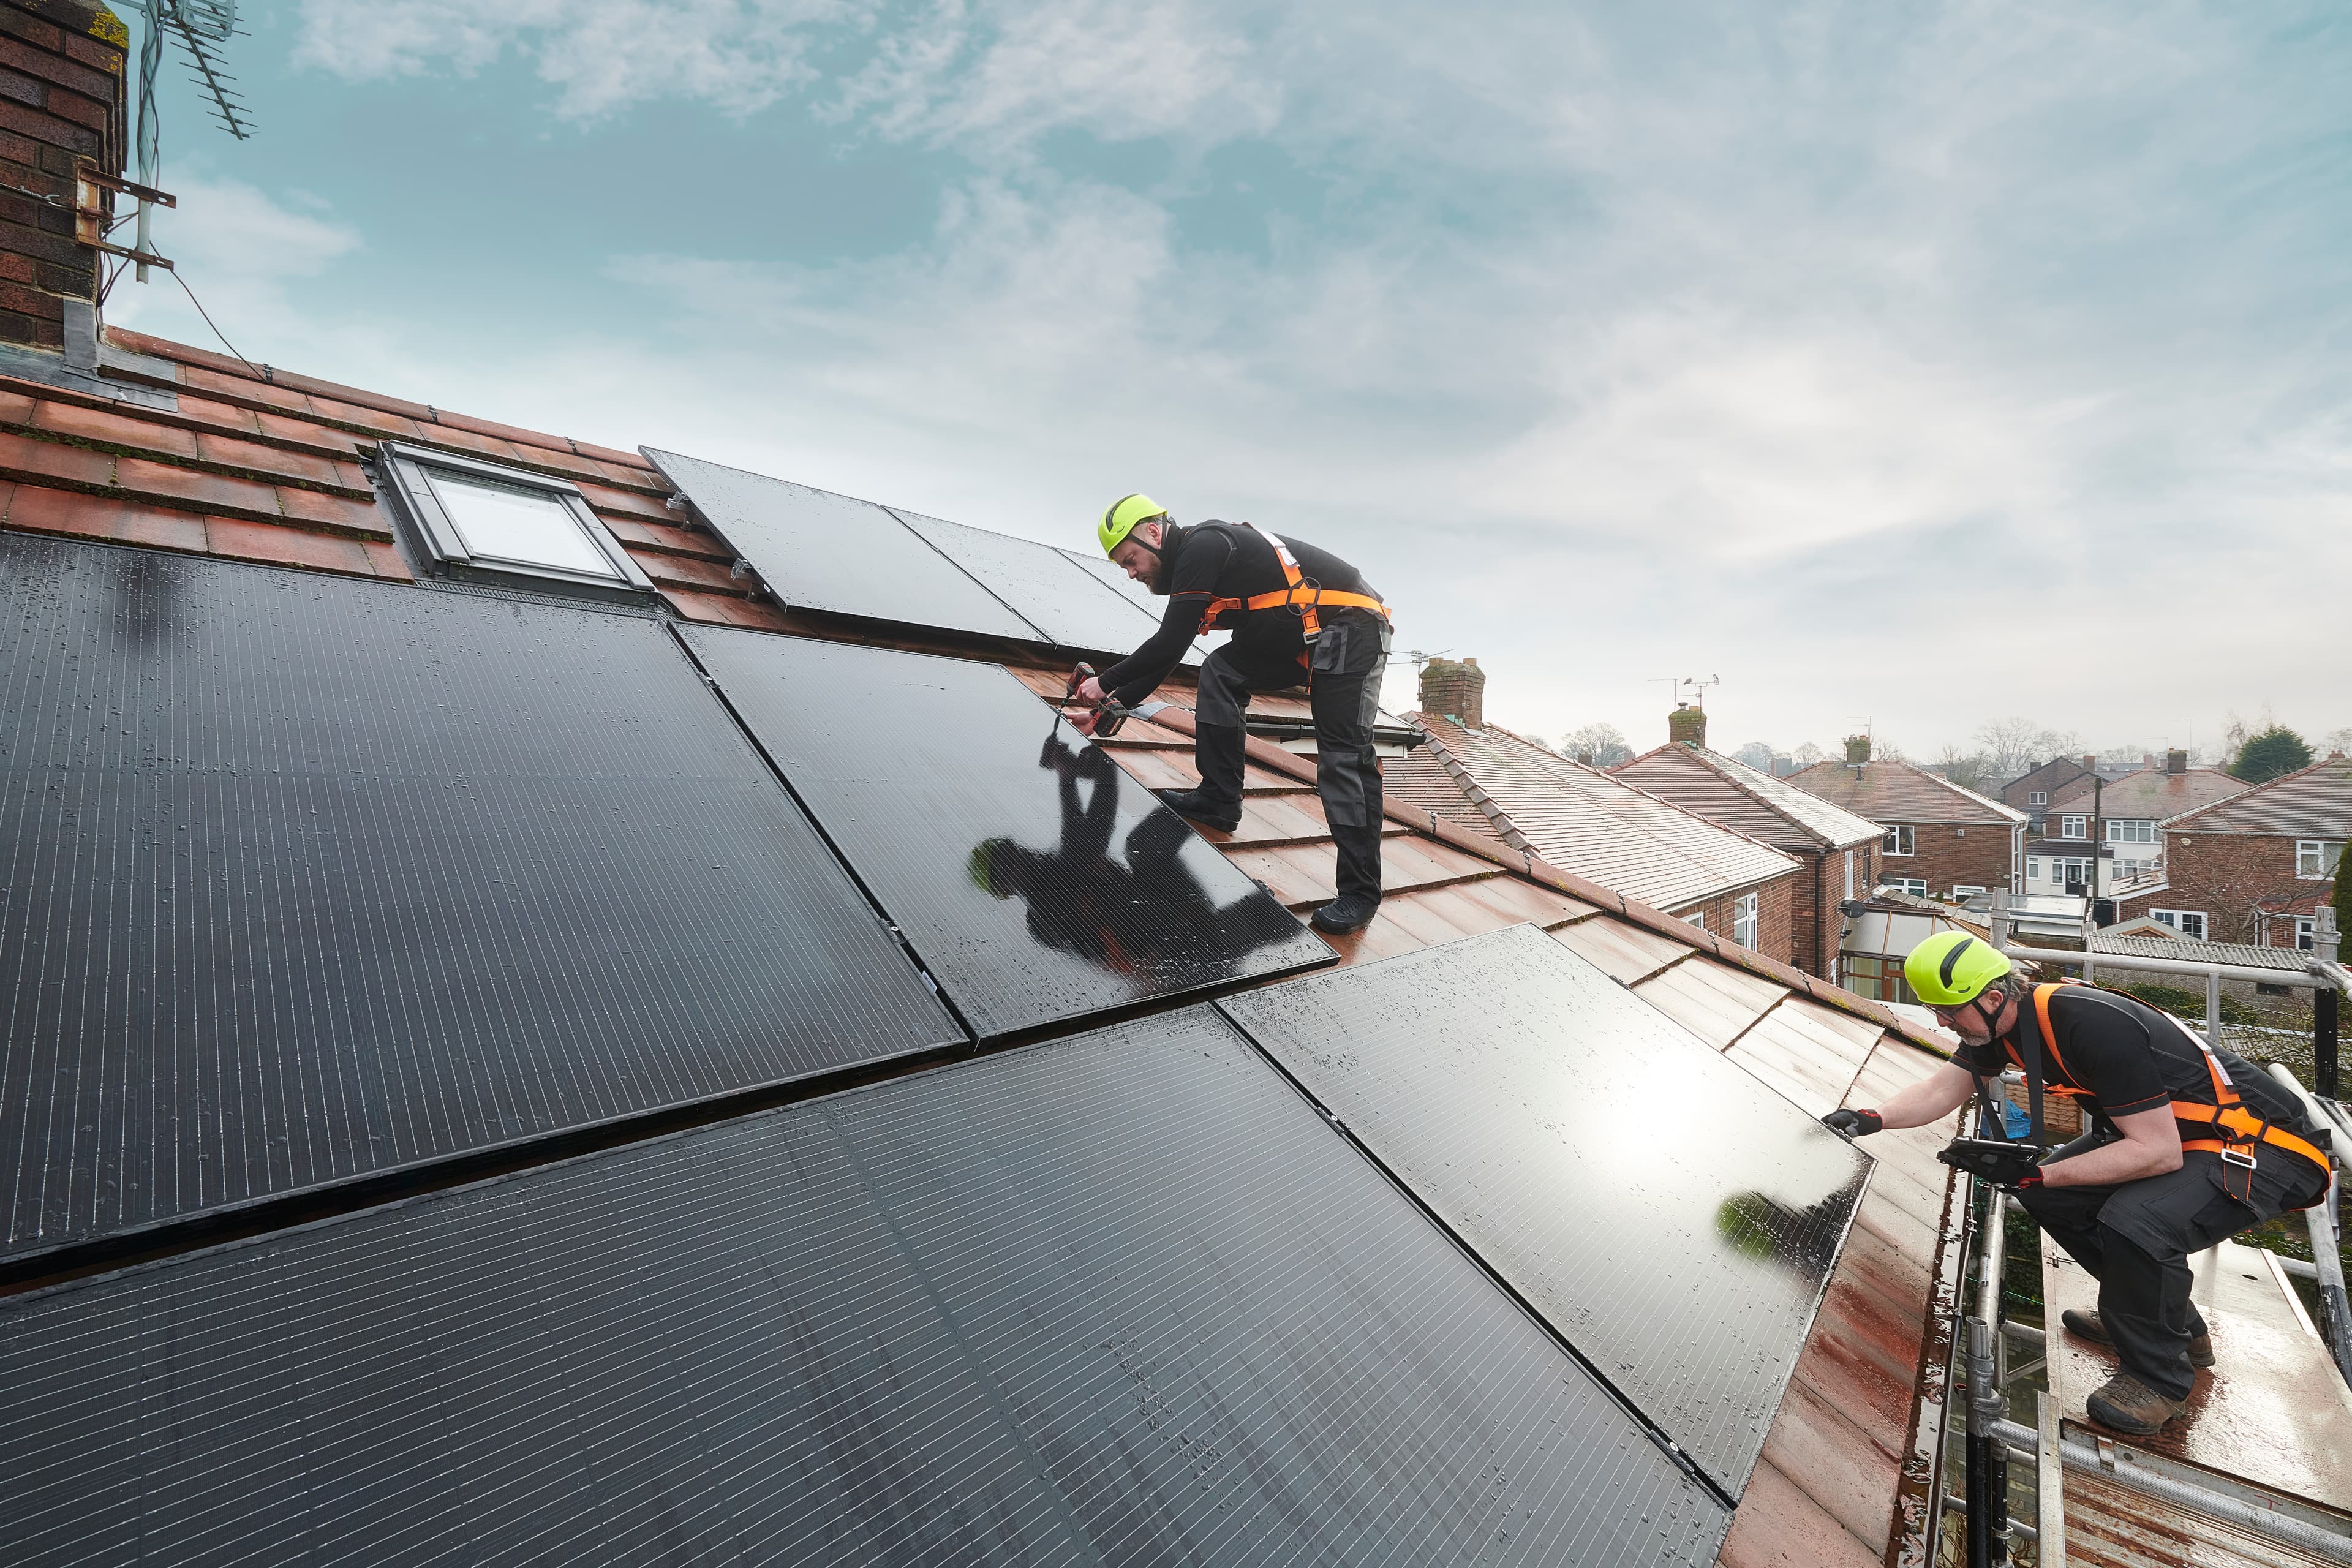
[[1122, 1298], [1104, 571], [1035, 879], [1069, 604], [1672, 1217], [304, 878], [819, 551]]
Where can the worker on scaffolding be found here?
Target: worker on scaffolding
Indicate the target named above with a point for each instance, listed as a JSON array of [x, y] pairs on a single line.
[[1300, 617], [2189, 1145]]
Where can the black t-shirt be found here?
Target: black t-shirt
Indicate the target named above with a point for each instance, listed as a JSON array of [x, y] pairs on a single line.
[[1226, 561], [2126, 1057]]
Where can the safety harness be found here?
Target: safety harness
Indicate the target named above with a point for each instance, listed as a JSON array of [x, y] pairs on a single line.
[[2242, 1130], [1316, 597]]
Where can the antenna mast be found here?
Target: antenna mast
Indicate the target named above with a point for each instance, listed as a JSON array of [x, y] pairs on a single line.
[[202, 28]]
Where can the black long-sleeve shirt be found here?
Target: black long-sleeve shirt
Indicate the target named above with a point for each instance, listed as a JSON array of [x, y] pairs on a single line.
[[1216, 560]]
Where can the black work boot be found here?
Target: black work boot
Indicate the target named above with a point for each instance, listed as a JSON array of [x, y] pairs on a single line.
[[2087, 1324], [1348, 912], [2127, 1404], [1208, 812]]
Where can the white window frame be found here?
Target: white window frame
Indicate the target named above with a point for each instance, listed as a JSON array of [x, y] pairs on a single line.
[[2039, 797], [2307, 935], [407, 472], [1900, 840], [2033, 868], [1915, 886], [1744, 921], [1964, 891], [1699, 920], [2131, 830], [2071, 826], [2323, 854], [2058, 864], [2177, 919]]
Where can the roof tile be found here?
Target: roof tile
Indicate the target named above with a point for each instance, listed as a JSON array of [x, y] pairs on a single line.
[[279, 545], [1889, 791], [335, 513], [142, 477], [310, 432], [82, 424], [1739, 797], [2315, 801], [372, 419], [271, 462], [45, 462], [238, 388]]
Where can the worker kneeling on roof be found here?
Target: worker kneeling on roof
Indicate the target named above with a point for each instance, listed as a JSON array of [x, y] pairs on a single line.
[[2189, 1145], [1300, 615]]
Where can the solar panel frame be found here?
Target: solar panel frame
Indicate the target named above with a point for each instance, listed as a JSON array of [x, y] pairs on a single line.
[[1074, 608], [313, 879], [817, 550], [1672, 1218], [1037, 881], [1117, 1298], [1102, 570]]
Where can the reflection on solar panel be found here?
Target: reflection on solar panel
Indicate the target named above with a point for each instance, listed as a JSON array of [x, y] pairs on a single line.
[[1036, 880], [307, 877], [819, 551], [1672, 1217], [1102, 570], [1073, 607], [1123, 1298]]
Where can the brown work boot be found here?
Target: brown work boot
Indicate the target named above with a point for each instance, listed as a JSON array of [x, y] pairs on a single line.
[[2087, 1324], [2127, 1404]]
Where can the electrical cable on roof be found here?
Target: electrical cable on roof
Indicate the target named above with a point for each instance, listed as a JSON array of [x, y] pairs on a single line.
[[207, 315]]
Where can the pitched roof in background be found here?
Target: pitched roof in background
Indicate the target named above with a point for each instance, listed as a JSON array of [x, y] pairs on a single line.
[[2315, 801], [1892, 791], [2049, 778], [1579, 817], [2151, 793], [1739, 797], [265, 469]]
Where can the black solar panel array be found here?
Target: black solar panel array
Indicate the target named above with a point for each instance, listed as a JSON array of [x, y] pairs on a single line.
[[1036, 880], [304, 877], [1048, 590], [1670, 1217], [1123, 1298]]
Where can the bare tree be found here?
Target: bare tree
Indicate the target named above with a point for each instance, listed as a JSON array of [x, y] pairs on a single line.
[[1755, 754], [1601, 744], [1966, 769], [2341, 740], [1888, 750], [2016, 744], [1806, 755]]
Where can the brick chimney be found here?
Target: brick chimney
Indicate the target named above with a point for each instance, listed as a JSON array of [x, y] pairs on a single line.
[[2090, 763], [1686, 726], [1857, 748], [2176, 762], [61, 101], [1457, 689]]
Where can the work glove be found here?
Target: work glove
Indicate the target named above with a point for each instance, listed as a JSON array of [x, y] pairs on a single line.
[[1853, 1123], [2007, 1165]]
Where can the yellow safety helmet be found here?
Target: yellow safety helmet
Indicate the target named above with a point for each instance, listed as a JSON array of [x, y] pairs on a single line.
[[1120, 520], [1951, 968]]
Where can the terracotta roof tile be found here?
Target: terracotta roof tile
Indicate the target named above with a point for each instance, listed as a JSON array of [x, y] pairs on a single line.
[[1780, 1525], [40, 462], [307, 432], [1900, 792], [334, 514], [1734, 794], [39, 511], [1713, 1001], [281, 546], [234, 388], [90, 424], [2315, 802]]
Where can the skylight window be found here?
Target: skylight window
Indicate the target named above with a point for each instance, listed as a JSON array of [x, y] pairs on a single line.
[[482, 521]]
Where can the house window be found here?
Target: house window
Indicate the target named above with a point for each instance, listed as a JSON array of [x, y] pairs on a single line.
[[1743, 920], [2125, 830], [1898, 841], [2318, 857], [2033, 868], [1699, 920], [2074, 828], [1915, 886], [1964, 891], [2039, 797], [1849, 873], [2307, 935], [2187, 922], [2071, 871], [1880, 979], [484, 523]]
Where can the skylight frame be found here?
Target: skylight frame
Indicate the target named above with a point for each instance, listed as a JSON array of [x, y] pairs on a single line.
[[441, 546]]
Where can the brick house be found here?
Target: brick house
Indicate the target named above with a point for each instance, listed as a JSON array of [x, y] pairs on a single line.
[[1940, 840], [1580, 818], [2125, 819], [2258, 866], [2031, 791], [1835, 850]]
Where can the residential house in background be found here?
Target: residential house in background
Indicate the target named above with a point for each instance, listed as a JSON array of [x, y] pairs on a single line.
[[1836, 851], [2257, 867], [1939, 841], [2126, 817], [2031, 790], [1580, 819]]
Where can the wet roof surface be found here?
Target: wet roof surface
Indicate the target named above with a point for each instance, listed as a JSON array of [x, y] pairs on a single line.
[[1895, 792], [1739, 797]]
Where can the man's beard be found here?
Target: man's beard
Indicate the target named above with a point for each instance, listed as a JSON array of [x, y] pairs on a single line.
[[1163, 562]]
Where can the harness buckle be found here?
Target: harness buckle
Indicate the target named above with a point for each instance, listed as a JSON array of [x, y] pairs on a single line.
[[2232, 1156]]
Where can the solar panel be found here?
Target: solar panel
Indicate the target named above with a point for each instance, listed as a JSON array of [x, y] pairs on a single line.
[[1672, 1217], [1105, 572], [1035, 879], [819, 551], [304, 878], [1074, 608], [1123, 1298]]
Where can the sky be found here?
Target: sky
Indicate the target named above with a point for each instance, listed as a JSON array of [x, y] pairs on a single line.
[[1905, 366]]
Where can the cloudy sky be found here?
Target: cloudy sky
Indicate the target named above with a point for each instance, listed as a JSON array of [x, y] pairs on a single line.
[[1910, 365]]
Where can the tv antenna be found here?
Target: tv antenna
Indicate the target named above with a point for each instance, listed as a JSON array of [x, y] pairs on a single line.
[[1697, 688], [202, 29]]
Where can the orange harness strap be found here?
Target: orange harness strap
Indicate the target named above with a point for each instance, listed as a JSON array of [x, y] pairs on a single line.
[[2241, 1129], [1311, 626]]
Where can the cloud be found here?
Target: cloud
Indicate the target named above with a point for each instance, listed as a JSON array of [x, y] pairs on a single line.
[[603, 55], [238, 249]]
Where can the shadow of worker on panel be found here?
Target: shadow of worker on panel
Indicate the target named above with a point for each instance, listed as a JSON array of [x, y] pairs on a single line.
[[1142, 913]]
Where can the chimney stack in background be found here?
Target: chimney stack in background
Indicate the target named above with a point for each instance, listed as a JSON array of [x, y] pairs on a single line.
[[1858, 749], [1686, 726], [2090, 763], [1454, 689], [62, 101], [2176, 762]]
